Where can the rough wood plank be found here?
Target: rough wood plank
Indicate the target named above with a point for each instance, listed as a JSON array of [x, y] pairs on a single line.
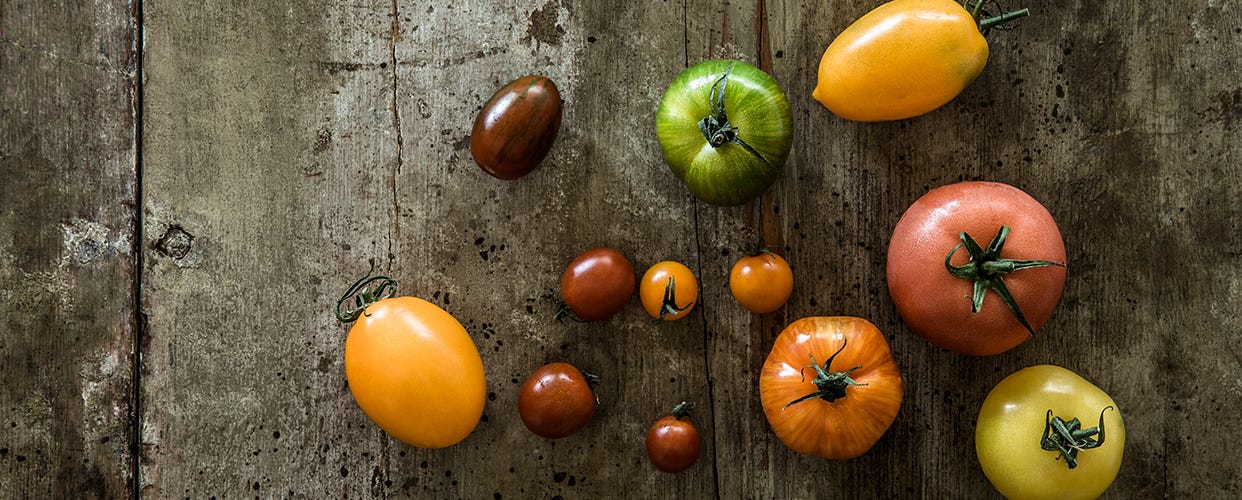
[[67, 157], [287, 147], [1084, 116], [244, 391], [464, 233], [270, 159]]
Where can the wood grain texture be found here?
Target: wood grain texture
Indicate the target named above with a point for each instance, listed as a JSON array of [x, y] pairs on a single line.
[[285, 148], [67, 222], [269, 156]]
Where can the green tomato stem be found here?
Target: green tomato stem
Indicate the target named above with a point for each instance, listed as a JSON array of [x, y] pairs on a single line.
[[987, 24], [716, 127], [987, 269], [682, 409], [830, 386], [1068, 438], [364, 296]]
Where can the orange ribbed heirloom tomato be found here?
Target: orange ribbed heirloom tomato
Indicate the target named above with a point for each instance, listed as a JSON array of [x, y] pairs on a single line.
[[840, 408], [413, 369], [905, 58]]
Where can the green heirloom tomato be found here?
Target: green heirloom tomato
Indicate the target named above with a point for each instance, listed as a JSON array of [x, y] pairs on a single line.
[[725, 130], [1045, 432]]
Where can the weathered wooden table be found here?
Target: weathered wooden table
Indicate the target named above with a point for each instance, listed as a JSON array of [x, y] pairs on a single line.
[[187, 186]]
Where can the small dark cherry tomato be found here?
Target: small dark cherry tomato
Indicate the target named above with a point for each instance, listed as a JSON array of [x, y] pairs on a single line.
[[597, 284], [673, 443], [556, 401], [761, 283], [516, 128]]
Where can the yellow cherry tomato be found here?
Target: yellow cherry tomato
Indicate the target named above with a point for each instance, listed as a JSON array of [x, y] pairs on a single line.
[[903, 59], [415, 372], [1045, 432], [761, 283], [669, 290]]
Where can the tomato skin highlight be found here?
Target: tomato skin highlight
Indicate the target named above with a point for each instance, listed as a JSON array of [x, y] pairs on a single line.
[[516, 128], [597, 284], [903, 59], [673, 444], [761, 283], [556, 401], [654, 287], [849, 426], [415, 372], [930, 299], [725, 175], [1007, 435]]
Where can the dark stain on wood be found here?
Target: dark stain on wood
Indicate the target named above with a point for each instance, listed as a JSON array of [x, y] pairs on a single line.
[[544, 26]]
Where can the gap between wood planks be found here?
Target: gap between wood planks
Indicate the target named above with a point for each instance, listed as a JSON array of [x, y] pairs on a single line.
[[137, 48]]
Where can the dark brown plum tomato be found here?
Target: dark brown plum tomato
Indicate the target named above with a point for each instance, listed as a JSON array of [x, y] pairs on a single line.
[[673, 442], [517, 127], [556, 401], [597, 284]]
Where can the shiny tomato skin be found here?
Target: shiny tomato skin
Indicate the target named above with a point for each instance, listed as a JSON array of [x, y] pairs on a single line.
[[1009, 430], [935, 304], [651, 291], [415, 372], [727, 174], [903, 59], [556, 401], [840, 429], [761, 283], [516, 128], [598, 284], [673, 444]]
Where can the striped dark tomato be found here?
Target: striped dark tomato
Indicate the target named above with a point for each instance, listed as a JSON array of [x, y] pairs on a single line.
[[516, 128]]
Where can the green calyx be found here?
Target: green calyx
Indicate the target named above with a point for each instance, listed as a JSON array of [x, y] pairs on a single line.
[[365, 296], [830, 386], [987, 270], [1069, 438], [716, 127], [986, 22], [669, 306], [682, 409]]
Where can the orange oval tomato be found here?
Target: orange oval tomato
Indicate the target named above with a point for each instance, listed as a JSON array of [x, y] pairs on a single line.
[[761, 283], [903, 59], [669, 290], [937, 305], [841, 408], [415, 372]]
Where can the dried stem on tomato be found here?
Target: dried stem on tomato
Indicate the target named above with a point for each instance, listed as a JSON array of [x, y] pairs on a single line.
[[670, 300], [716, 127], [364, 296]]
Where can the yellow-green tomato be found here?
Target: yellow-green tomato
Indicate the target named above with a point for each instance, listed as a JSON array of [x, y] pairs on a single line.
[[903, 59], [1045, 432]]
